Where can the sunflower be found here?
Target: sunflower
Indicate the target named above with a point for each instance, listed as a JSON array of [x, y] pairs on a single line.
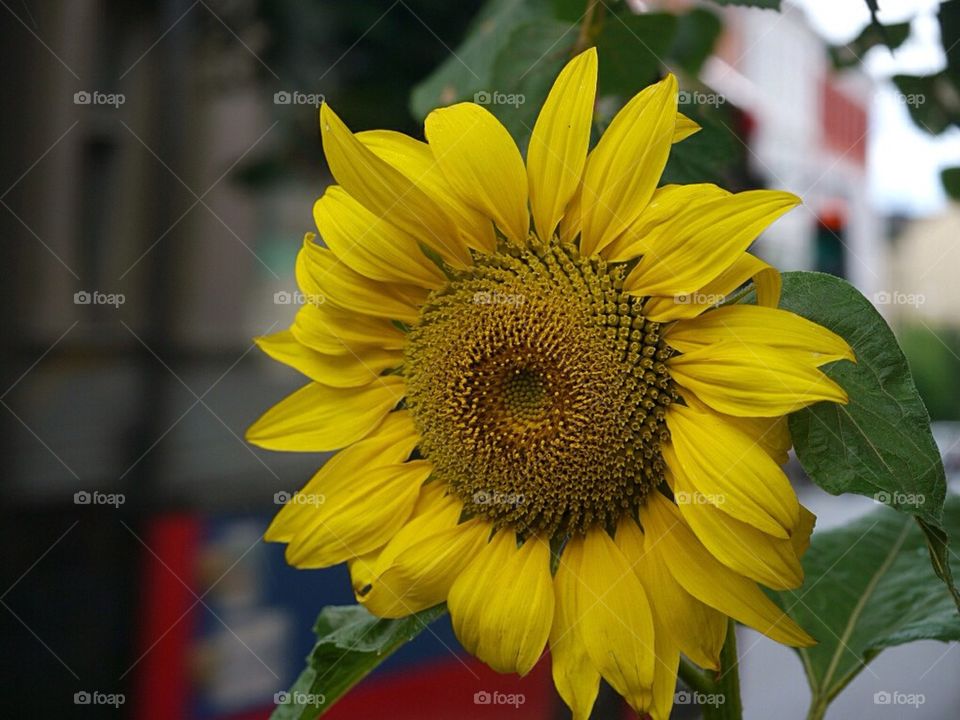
[[550, 412]]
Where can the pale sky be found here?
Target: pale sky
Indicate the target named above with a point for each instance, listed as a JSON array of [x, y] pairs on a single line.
[[904, 161]]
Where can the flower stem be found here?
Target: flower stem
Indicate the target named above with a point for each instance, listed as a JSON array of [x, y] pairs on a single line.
[[694, 677], [726, 684], [590, 26]]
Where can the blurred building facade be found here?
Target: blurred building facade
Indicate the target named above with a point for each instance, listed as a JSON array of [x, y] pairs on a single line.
[[809, 135]]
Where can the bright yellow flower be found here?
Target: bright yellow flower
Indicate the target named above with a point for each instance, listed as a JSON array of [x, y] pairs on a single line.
[[542, 417]]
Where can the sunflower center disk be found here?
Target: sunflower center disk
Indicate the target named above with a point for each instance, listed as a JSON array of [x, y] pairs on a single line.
[[539, 391]]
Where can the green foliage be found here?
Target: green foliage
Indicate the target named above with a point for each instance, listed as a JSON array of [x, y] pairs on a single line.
[[696, 36], [469, 68], [880, 444], [933, 354], [868, 587], [893, 36], [765, 4], [350, 643], [525, 70], [630, 50], [951, 181]]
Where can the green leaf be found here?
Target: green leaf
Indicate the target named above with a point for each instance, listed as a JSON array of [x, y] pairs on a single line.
[[930, 99], [893, 36], [469, 68], [951, 181], [696, 35], [350, 644], [880, 444], [524, 71], [868, 587], [631, 49], [765, 4]]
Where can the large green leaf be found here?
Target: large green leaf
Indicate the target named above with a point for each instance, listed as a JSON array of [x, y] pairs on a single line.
[[469, 68], [868, 587], [350, 643], [880, 444]]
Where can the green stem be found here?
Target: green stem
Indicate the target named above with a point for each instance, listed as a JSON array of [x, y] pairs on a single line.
[[729, 705], [695, 678]]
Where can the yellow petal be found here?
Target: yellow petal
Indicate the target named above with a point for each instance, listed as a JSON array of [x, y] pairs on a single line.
[[572, 219], [665, 676], [751, 324], [625, 167], [371, 246], [360, 516], [348, 370], [334, 331], [482, 164], [574, 675], [391, 443], [703, 241], [502, 604], [754, 382], [558, 146], [318, 417], [419, 565], [730, 471], [362, 567], [415, 160], [738, 545], [709, 580], [697, 629], [771, 434], [684, 128], [386, 192], [801, 536], [320, 270], [604, 595], [766, 279], [666, 202]]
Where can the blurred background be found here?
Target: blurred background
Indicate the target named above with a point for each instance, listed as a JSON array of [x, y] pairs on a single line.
[[160, 163]]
